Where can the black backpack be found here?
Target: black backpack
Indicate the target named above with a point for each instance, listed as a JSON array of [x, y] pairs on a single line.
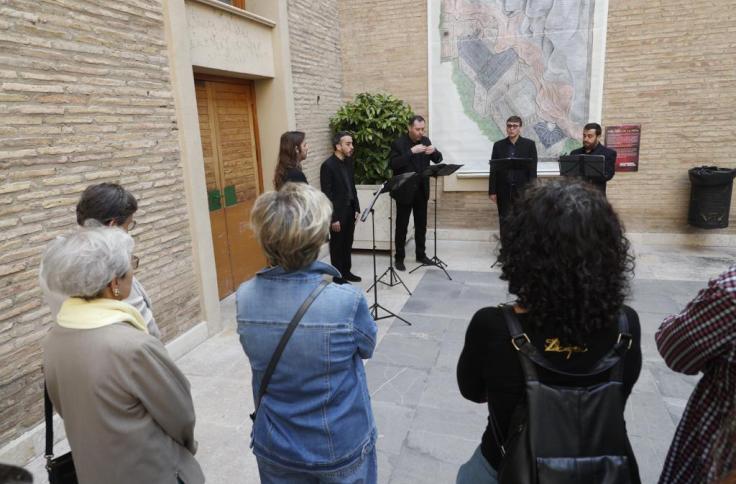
[[566, 435]]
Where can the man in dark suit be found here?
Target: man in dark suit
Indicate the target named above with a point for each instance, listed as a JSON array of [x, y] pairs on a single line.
[[336, 177], [502, 190], [592, 146], [412, 152]]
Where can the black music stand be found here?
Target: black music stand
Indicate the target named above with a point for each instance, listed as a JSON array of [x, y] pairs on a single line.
[[502, 167], [436, 171], [397, 186], [376, 306], [590, 167]]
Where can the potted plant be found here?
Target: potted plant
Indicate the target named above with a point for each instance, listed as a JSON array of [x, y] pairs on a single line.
[[376, 121]]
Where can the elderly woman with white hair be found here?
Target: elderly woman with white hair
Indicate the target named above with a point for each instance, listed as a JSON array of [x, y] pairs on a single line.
[[127, 409], [313, 420]]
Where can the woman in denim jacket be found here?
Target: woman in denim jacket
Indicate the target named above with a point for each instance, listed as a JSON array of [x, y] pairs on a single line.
[[314, 423]]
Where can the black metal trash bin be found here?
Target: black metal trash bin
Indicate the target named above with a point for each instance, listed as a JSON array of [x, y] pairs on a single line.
[[710, 196]]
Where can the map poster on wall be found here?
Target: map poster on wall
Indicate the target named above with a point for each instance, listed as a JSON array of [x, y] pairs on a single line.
[[492, 59], [625, 139]]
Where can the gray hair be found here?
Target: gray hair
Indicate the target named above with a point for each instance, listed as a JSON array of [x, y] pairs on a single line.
[[292, 224], [83, 263]]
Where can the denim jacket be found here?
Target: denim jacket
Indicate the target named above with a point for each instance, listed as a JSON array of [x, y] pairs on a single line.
[[316, 413]]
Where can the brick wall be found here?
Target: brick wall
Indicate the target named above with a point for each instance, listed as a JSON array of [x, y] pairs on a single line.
[[84, 98], [384, 48], [314, 42], [669, 66]]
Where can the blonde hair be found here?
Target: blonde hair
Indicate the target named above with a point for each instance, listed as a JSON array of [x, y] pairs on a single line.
[[292, 224]]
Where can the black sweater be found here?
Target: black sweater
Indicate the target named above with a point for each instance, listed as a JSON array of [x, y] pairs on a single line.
[[489, 368]]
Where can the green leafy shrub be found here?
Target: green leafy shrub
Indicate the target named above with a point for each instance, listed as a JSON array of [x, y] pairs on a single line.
[[376, 121]]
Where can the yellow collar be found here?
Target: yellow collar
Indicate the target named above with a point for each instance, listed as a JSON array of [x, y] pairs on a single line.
[[77, 313]]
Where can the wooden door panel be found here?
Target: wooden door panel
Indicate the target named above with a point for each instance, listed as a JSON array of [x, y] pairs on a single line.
[[246, 256], [220, 242]]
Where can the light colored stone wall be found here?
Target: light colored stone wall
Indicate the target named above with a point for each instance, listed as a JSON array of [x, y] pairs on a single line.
[[85, 97], [669, 66], [314, 42]]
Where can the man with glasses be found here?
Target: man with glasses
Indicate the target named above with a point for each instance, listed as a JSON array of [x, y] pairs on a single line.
[[503, 190]]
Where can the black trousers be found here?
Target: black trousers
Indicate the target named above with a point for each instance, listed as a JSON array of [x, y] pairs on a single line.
[[341, 243], [403, 211]]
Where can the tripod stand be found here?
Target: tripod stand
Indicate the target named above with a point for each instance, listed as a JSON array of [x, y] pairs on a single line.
[[393, 277], [435, 172], [376, 306]]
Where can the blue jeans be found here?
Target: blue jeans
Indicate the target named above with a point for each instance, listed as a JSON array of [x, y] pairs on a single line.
[[362, 471], [477, 471]]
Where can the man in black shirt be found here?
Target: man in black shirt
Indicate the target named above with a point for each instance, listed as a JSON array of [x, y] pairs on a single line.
[[592, 146], [503, 190], [336, 177], [412, 152]]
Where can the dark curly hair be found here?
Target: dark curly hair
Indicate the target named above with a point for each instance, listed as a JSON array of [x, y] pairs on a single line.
[[566, 258]]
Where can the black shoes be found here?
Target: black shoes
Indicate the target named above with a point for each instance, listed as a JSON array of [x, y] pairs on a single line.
[[399, 264], [425, 260], [352, 277]]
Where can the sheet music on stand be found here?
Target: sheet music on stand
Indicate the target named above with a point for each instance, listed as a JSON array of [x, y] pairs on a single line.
[[586, 166]]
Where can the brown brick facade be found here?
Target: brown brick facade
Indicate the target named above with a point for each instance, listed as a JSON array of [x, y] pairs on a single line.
[[314, 42], [85, 97]]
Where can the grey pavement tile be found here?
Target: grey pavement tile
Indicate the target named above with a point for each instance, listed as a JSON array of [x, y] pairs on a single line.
[[385, 465], [393, 422], [222, 401], [395, 384], [676, 407], [423, 326], [446, 435], [442, 393], [478, 278], [647, 416], [407, 350], [414, 467], [224, 454], [450, 348], [672, 384], [222, 355]]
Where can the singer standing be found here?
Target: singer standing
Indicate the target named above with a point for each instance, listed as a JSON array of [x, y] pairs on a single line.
[[503, 191], [337, 179], [412, 152]]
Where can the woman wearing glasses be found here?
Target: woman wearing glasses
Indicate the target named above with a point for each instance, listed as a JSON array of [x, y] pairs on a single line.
[[127, 408], [110, 205]]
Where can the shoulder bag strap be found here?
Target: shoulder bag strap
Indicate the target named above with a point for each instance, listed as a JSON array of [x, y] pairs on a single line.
[[48, 410], [522, 344], [285, 339], [622, 346]]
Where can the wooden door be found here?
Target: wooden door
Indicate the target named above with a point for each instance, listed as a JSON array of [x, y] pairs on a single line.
[[228, 130]]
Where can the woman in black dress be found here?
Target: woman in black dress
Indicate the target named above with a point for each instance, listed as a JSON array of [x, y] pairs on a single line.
[[292, 151], [566, 259]]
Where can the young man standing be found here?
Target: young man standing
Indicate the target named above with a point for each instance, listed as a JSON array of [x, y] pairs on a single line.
[[502, 190], [337, 179], [412, 152], [592, 146]]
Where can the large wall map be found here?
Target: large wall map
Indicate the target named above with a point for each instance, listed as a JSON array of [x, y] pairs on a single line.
[[495, 58]]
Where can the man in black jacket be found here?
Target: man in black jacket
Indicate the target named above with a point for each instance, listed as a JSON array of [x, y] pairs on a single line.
[[503, 189], [336, 177], [592, 146], [412, 152]]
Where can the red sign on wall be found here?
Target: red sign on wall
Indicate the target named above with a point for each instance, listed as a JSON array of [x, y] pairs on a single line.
[[625, 139]]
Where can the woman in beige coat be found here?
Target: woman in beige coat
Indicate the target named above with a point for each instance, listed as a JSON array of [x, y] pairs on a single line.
[[127, 408]]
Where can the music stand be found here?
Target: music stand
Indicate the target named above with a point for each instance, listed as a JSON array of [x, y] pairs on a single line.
[[436, 171], [376, 306], [397, 186], [502, 167], [590, 167]]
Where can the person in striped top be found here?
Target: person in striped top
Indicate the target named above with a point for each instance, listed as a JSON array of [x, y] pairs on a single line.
[[703, 338]]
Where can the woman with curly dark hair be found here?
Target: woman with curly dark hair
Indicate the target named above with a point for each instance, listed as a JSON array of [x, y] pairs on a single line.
[[566, 259], [293, 149]]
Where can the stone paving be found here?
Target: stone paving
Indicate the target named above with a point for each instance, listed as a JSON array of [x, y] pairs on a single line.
[[426, 429]]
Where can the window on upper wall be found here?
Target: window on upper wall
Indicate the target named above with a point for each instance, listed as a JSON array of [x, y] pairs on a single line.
[[235, 3]]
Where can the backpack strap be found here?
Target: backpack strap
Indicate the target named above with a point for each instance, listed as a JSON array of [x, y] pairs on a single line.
[[522, 344]]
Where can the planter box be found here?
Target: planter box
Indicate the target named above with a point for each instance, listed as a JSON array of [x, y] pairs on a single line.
[[363, 238]]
